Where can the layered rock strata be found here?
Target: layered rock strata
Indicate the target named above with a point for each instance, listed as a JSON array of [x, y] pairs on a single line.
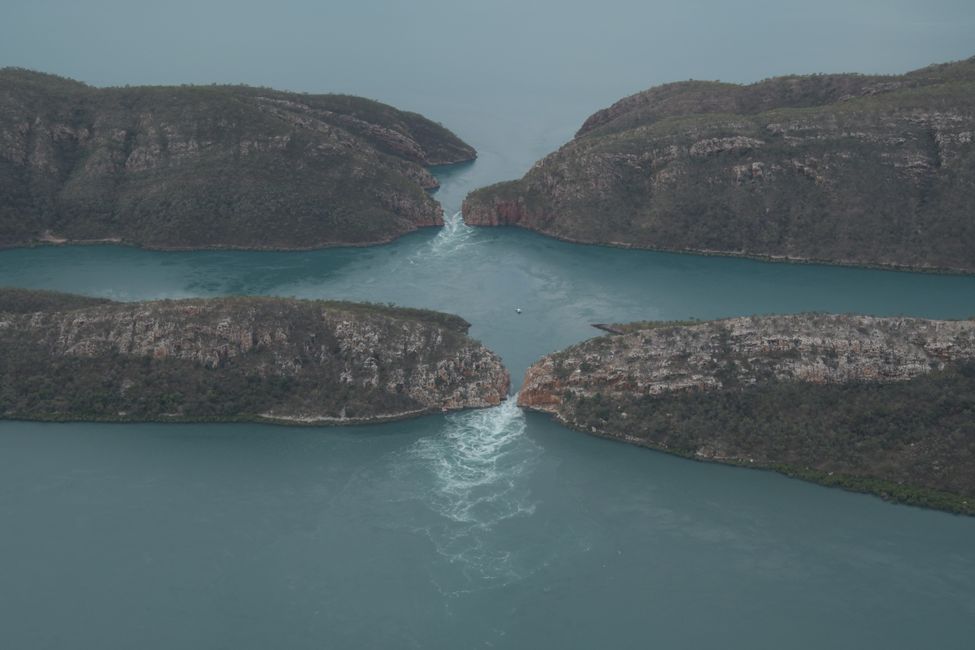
[[885, 405], [269, 359], [845, 169], [211, 166]]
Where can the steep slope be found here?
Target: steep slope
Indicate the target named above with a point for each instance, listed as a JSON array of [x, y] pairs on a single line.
[[849, 169], [885, 405], [272, 359], [211, 166]]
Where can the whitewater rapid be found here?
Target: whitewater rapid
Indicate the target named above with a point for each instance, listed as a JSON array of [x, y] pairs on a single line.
[[453, 237], [475, 475]]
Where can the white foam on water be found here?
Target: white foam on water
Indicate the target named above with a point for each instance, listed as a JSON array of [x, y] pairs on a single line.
[[474, 474], [466, 488], [454, 236], [477, 462]]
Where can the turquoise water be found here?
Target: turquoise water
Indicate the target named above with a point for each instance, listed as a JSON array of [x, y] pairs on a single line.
[[487, 529], [482, 529], [485, 274]]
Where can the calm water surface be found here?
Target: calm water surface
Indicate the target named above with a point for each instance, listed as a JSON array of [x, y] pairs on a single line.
[[487, 529]]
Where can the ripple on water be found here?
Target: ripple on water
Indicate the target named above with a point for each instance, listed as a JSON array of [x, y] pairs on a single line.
[[453, 237], [465, 487], [476, 464]]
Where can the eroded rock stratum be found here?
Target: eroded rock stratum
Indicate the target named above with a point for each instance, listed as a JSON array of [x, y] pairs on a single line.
[[189, 167], [847, 169], [885, 405], [270, 359]]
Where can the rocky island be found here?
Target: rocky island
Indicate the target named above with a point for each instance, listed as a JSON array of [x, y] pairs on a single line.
[[846, 169], [881, 405], [66, 357], [194, 167]]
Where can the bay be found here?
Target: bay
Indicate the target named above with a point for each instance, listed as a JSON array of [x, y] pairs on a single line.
[[484, 529], [480, 529]]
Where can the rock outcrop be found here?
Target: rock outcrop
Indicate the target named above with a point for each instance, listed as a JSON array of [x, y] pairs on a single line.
[[885, 405], [211, 166], [270, 359], [847, 169]]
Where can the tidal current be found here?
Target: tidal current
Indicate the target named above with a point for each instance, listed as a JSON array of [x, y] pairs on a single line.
[[491, 528], [482, 529]]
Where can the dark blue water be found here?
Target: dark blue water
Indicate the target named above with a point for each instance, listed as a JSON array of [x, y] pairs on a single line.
[[488, 529]]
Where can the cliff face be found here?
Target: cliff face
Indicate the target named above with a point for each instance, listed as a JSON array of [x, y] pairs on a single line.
[[847, 169], [269, 359], [878, 404], [211, 166]]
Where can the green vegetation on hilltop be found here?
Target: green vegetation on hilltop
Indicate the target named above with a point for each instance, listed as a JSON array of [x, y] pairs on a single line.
[[911, 442], [65, 357], [28, 301], [880, 405], [848, 169], [211, 166]]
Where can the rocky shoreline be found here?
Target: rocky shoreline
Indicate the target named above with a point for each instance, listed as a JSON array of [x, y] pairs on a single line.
[[286, 361], [212, 167], [853, 170], [43, 242], [488, 219], [881, 405]]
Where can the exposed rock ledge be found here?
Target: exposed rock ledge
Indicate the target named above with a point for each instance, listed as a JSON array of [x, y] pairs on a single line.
[[884, 405], [269, 359], [204, 167], [841, 169]]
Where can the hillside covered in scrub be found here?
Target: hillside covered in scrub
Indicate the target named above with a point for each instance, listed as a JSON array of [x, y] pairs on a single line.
[[848, 169], [188, 167], [65, 357], [883, 405]]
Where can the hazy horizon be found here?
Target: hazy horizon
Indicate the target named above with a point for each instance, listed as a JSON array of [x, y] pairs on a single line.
[[627, 46]]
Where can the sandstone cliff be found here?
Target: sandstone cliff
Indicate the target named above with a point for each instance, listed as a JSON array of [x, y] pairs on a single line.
[[885, 405], [271, 359], [849, 169], [211, 166]]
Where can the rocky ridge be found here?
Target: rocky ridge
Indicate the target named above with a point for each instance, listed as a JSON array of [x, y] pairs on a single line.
[[885, 405], [847, 169], [211, 166], [270, 359]]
